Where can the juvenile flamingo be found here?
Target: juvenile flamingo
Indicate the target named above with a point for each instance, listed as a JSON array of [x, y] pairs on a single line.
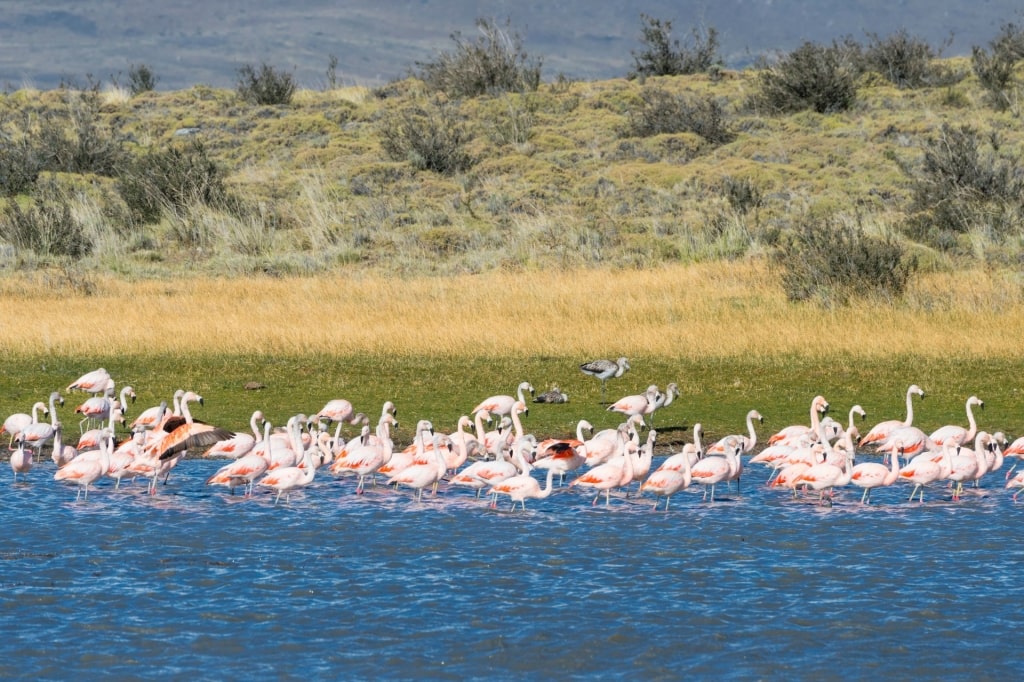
[[605, 370]]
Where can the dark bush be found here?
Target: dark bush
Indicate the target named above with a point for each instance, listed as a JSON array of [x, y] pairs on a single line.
[[1010, 42], [20, 165], [46, 227], [75, 138], [171, 178], [906, 61], [958, 186], [141, 79], [663, 113], [492, 64], [833, 263], [741, 193], [995, 73], [664, 56], [818, 77], [431, 137], [265, 85]]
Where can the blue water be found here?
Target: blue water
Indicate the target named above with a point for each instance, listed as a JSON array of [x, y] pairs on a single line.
[[193, 583]]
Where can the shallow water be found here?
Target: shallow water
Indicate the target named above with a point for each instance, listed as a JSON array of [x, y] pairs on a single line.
[[195, 583]]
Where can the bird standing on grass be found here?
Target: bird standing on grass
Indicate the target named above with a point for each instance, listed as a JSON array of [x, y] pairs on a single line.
[[605, 370]]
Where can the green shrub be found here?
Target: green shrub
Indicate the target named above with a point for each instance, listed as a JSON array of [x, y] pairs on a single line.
[[995, 73], [833, 263], [20, 165], [492, 64], [141, 79], [664, 56], [906, 61], [818, 77], [47, 227], [664, 113], [265, 85], [75, 138], [171, 178], [741, 193], [1010, 42], [959, 186], [431, 137]]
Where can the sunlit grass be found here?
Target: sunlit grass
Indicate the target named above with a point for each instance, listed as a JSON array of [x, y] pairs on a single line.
[[721, 310]]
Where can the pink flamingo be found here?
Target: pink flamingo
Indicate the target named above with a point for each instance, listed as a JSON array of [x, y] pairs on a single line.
[[38, 433], [420, 476], [825, 476], [667, 482], [969, 465], [881, 431], [747, 443], [711, 471], [21, 459], [286, 479], [615, 473], [958, 434], [62, 453], [871, 475], [19, 421], [95, 381], [640, 404], [480, 474], [521, 487], [790, 435], [238, 444], [84, 472], [246, 469], [922, 471], [688, 456], [500, 405]]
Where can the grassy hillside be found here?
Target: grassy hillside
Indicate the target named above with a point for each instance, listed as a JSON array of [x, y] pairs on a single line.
[[552, 178]]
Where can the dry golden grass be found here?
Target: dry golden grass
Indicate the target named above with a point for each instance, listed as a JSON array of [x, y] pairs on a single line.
[[721, 310]]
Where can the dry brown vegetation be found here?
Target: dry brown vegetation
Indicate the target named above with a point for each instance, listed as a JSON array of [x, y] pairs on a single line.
[[728, 310]]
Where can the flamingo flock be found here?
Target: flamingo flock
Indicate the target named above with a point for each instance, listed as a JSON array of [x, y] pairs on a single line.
[[809, 461]]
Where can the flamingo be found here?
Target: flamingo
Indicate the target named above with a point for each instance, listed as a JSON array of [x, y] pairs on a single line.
[[881, 431], [605, 370], [19, 421], [688, 456], [521, 487], [637, 405], [642, 466], [420, 476], [182, 433], [481, 474], [500, 405], [614, 473], [553, 397], [825, 476], [62, 453], [96, 381], [84, 472], [922, 471], [563, 456], [790, 435], [286, 479], [238, 444], [663, 400], [247, 468], [747, 443], [958, 434], [871, 475], [713, 470], [21, 459], [666, 482], [40, 433], [969, 465], [364, 461]]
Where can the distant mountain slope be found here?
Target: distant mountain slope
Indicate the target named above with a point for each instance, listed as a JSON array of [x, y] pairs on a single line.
[[192, 41]]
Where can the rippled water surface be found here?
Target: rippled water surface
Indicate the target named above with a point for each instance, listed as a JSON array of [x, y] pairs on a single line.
[[193, 583]]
